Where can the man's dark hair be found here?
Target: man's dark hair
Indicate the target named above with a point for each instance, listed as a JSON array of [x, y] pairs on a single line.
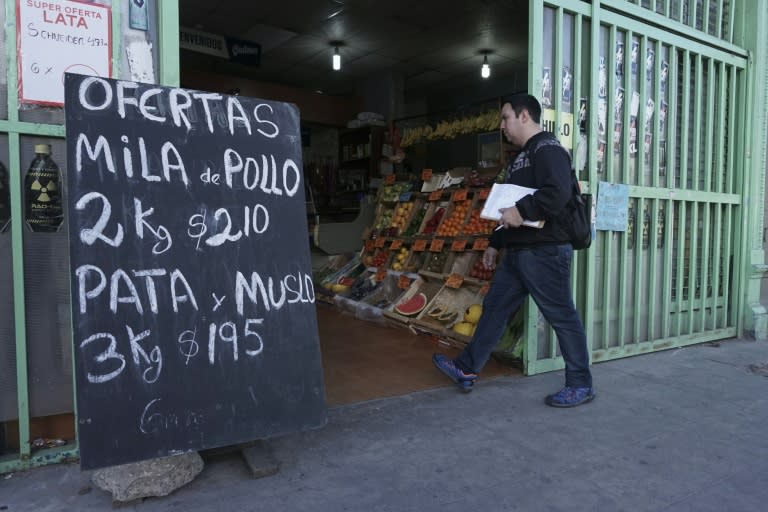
[[522, 101]]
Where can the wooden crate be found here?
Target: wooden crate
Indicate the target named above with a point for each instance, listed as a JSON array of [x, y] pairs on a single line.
[[454, 299], [422, 284]]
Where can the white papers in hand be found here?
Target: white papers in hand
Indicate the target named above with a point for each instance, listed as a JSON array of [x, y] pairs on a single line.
[[506, 195]]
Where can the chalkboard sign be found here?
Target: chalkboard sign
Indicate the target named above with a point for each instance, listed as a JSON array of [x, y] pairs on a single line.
[[192, 299]]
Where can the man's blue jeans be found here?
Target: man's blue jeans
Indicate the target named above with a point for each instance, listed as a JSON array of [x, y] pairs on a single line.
[[544, 272]]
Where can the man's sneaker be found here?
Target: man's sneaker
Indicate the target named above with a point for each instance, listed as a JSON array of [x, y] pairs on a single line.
[[570, 397], [464, 380]]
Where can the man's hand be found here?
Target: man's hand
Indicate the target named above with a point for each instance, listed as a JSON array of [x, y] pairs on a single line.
[[510, 217], [489, 258]]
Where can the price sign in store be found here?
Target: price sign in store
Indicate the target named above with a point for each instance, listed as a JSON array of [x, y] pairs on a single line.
[[380, 242], [426, 175], [369, 245], [483, 193], [454, 281], [480, 244], [381, 274], [436, 245], [59, 36], [436, 195], [460, 195], [396, 244], [404, 282], [420, 245], [459, 245]]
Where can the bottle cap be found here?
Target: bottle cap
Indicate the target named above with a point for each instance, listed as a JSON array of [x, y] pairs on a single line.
[[43, 148]]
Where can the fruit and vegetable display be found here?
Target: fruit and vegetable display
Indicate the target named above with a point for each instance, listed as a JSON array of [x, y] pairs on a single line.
[[478, 271], [401, 216], [363, 286], [412, 306], [391, 193], [431, 226], [477, 226], [384, 219], [453, 224], [469, 321], [401, 256], [442, 313], [436, 261], [377, 259], [415, 224]]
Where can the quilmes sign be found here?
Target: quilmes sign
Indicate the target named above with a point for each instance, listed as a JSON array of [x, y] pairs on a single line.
[[236, 50]]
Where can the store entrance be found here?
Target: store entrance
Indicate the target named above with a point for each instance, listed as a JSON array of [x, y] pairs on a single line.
[[363, 360]]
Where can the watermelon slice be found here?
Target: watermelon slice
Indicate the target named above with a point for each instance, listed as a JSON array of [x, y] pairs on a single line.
[[412, 306]]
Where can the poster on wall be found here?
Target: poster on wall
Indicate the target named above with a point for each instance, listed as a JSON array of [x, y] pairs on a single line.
[[57, 37]]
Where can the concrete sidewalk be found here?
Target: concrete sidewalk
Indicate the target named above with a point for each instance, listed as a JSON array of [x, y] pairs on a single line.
[[681, 430]]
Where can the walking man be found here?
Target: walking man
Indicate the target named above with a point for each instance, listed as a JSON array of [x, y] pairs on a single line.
[[536, 261]]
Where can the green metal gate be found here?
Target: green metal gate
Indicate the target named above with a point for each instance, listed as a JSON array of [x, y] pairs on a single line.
[[661, 91], [35, 334]]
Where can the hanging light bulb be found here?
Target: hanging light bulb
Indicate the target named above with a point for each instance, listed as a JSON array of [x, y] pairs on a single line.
[[336, 59], [485, 71]]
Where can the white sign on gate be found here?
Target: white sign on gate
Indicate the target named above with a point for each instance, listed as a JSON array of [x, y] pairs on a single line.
[[56, 37]]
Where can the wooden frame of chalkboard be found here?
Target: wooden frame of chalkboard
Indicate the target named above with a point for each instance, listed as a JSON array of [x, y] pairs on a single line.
[[192, 299]]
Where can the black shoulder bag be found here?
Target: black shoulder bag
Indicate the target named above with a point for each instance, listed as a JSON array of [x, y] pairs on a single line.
[[576, 217]]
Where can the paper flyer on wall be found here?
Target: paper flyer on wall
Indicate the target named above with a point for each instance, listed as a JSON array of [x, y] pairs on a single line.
[[505, 195]]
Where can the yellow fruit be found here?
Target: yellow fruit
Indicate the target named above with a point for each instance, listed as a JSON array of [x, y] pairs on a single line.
[[473, 313], [464, 328]]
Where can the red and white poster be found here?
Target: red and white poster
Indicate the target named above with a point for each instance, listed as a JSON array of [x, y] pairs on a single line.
[[59, 36]]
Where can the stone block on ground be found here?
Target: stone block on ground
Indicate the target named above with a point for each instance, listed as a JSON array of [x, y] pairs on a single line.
[[154, 477], [260, 460]]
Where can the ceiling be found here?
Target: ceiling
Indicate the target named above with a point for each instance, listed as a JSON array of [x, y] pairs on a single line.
[[432, 44]]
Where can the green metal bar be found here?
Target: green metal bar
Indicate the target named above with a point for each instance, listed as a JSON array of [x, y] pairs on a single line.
[[719, 27], [672, 133], [653, 277], [623, 276], [729, 24], [710, 143], [685, 124], [548, 365], [718, 265], [591, 270], [576, 278], [728, 262], [744, 183], [693, 12], [643, 76], [66, 453], [681, 222], [720, 132], [558, 46], [655, 126], [733, 111], [535, 65], [626, 159], [692, 266], [168, 21], [697, 123], [117, 47], [638, 253], [24, 128], [667, 268], [17, 241], [662, 344], [706, 240], [674, 33], [611, 108]]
